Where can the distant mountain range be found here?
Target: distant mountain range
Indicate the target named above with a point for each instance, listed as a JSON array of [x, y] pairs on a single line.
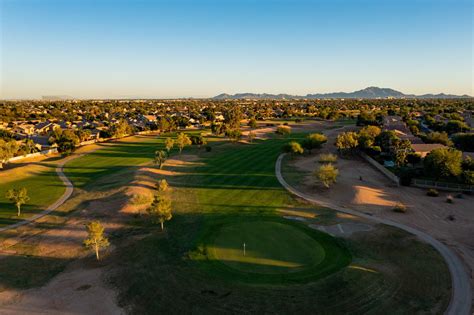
[[367, 93]]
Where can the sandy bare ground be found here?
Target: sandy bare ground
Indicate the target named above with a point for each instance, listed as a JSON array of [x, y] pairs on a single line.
[[79, 291], [376, 195]]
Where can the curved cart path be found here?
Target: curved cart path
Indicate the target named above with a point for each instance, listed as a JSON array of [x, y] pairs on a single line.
[[460, 303], [65, 196]]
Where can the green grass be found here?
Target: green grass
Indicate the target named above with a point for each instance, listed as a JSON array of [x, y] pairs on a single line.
[[277, 251], [111, 165], [44, 188], [271, 248], [233, 194]]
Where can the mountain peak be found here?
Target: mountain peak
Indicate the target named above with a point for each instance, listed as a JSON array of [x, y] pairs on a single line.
[[371, 92]]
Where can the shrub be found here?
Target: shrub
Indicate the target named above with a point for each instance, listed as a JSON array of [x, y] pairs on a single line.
[[432, 193], [141, 199], [327, 158], [293, 147], [326, 174], [283, 130], [400, 208]]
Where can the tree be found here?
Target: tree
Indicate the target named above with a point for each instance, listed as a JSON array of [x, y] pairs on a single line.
[[401, 150], [454, 126], [182, 141], [314, 141], [283, 130], [367, 136], [66, 140], [160, 210], [120, 129], [169, 144], [95, 237], [347, 141], [443, 162], [251, 136], [29, 146], [7, 150], [233, 134], [162, 185], [232, 117], [438, 137], [293, 147], [18, 197], [385, 140], [326, 174], [160, 158], [198, 140], [464, 141], [253, 123]]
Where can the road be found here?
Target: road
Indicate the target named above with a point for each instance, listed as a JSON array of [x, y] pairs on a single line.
[[461, 298]]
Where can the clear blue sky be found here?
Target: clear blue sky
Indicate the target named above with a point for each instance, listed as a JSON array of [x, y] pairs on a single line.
[[99, 48]]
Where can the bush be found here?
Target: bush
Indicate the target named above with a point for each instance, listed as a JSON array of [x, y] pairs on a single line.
[[449, 199], [326, 174], [432, 193], [283, 130], [293, 147], [327, 158], [208, 148], [400, 208], [141, 199]]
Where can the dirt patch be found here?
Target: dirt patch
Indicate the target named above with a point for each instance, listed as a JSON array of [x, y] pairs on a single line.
[[363, 188], [79, 291]]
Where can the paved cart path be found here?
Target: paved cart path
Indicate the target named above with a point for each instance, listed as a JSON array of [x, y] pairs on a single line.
[[460, 303]]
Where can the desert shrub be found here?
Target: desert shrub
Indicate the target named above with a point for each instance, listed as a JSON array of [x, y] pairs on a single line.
[[293, 147], [141, 199], [400, 208], [432, 193], [327, 158], [326, 174]]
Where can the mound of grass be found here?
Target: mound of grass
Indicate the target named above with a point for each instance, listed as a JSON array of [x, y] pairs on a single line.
[[276, 251]]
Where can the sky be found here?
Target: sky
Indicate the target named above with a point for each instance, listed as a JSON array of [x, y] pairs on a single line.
[[201, 48]]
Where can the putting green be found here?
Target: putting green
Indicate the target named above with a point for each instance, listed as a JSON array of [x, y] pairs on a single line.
[[276, 251], [270, 247]]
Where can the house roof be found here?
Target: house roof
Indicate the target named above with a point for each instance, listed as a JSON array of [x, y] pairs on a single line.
[[426, 147]]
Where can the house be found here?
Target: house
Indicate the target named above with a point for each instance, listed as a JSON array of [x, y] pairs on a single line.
[[43, 128], [397, 125], [26, 129], [150, 118], [42, 142], [424, 148]]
